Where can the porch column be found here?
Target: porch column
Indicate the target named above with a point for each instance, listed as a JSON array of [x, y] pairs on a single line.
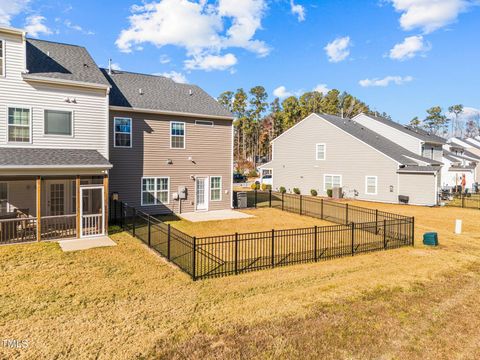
[[39, 207], [77, 205], [105, 202]]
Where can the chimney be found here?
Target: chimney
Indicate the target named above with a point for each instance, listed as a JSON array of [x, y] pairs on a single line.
[[109, 66]]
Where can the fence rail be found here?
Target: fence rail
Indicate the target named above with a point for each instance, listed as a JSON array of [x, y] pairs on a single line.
[[358, 230], [468, 201]]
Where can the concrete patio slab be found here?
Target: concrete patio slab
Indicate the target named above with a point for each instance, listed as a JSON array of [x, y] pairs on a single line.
[[84, 244], [214, 215]]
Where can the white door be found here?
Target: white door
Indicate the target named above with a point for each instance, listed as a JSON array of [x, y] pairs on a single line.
[[56, 198], [201, 193], [92, 213]]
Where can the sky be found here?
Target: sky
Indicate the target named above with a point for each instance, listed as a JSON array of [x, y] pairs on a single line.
[[398, 56]]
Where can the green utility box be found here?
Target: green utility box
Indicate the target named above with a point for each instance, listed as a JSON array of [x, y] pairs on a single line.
[[430, 238]]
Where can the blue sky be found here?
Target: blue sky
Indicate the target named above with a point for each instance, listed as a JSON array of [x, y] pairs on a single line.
[[399, 56]]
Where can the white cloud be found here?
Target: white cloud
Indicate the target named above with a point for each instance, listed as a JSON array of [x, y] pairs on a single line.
[[409, 48], [338, 50], [211, 62], [298, 10], [11, 8], [429, 15], [281, 92], [204, 29], [164, 59], [34, 26], [321, 88], [175, 76], [116, 66], [397, 80], [78, 28]]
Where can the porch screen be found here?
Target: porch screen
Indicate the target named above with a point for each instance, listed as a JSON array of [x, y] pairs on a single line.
[[3, 197]]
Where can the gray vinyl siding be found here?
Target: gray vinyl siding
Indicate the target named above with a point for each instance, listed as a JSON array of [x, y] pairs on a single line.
[[209, 147], [404, 140], [90, 112], [294, 161], [434, 152], [421, 188]]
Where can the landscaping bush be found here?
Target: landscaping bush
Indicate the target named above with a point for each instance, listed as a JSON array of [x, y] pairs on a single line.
[[296, 191], [252, 173], [313, 192], [329, 192], [282, 190], [255, 186], [266, 187]]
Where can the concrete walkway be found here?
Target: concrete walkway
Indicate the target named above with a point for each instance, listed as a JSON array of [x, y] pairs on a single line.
[[84, 244], [214, 215]]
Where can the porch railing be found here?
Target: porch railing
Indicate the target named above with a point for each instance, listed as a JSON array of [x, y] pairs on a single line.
[[58, 227], [92, 224], [18, 230]]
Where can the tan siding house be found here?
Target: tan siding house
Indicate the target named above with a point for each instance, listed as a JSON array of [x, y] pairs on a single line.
[[324, 151]]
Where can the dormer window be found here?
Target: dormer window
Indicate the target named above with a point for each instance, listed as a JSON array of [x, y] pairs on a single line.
[[2, 57]]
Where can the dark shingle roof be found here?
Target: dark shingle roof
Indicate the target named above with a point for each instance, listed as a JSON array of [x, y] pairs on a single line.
[[62, 61], [412, 131], [382, 144], [160, 93], [27, 157]]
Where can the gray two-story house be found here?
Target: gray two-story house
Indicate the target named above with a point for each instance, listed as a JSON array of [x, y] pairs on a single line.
[[324, 152]]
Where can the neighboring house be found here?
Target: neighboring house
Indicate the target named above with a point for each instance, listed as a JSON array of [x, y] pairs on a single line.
[[53, 140], [472, 149], [168, 139], [324, 151], [458, 163]]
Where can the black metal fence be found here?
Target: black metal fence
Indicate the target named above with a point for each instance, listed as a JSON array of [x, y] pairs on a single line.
[[359, 230]]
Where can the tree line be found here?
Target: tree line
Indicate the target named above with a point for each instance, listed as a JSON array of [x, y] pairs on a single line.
[[258, 122]]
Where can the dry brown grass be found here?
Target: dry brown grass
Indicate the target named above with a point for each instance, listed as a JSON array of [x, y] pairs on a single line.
[[264, 219], [125, 302]]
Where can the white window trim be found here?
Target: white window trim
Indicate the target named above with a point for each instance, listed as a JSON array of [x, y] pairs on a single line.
[[184, 135], [4, 52], [324, 151], [210, 186], [155, 186], [376, 184], [30, 124], [115, 133], [325, 180], [8, 194], [72, 123], [204, 123]]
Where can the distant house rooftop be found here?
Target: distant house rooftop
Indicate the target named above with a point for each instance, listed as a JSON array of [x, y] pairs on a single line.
[[159, 93]]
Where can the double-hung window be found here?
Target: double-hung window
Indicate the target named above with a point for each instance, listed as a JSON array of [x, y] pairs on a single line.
[[2, 57], [3, 197], [371, 185], [177, 135], [122, 128], [19, 124], [332, 181], [58, 122], [155, 191], [216, 188], [321, 151]]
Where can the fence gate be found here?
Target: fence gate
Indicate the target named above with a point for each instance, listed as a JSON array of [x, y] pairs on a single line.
[[92, 211]]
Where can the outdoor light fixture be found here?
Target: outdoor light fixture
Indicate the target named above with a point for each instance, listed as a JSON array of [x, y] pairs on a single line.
[[169, 161], [115, 196], [391, 188]]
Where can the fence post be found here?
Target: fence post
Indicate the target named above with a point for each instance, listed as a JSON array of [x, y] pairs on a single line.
[[194, 265], [385, 234], [300, 204], [376, 221], [115, 204], [133, 221], [236, 253], [255, 198], [315, 244], [282, 199], [270, 198], [122, 215], [463, 200], [413, 231], [149, 232], [346, 214], [353, 238], [321, 209], [168, 241], [273, 248]]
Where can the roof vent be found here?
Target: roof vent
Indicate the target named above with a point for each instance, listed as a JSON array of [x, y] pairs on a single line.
[[140, 91], [190, 92]]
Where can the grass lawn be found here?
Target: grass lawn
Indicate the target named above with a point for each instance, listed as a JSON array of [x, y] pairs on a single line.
[[264, 219], [125, 302]]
